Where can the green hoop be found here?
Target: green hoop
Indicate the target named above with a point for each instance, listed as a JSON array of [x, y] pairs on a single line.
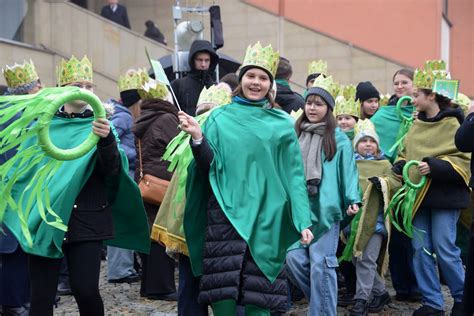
[[43, 133], [406, 177], [399, 108]]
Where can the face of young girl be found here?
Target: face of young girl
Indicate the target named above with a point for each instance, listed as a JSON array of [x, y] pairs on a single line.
[[255, 84], [402, 85], [315, 109], [370, 106], [346, 122], [367, 146], [421, 101]]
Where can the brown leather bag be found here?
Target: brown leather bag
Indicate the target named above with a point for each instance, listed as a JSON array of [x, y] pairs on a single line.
[[152, 188]]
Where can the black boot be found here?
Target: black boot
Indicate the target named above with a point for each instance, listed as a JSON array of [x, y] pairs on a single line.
[[346, 299], [360, 308], [458, 309], [428, 310], [378, 302]]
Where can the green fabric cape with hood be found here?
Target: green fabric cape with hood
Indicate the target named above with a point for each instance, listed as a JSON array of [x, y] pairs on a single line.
[[64, 184], [257, 176]]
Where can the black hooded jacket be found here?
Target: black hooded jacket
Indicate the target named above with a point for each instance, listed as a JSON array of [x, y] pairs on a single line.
[[187, 89], [288, 99]]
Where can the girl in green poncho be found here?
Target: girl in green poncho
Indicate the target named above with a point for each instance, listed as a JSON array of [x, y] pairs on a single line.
[[246, 200], [332, 186], [437, 205]]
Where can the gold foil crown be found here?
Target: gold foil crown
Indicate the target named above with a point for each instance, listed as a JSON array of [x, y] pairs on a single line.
[[19, 75], [153, 89], [217, 95], [263, 57], [74, 70], [433, 70], [318, 67], [327, 84], [346, 103], [384, 98], [132, 80]]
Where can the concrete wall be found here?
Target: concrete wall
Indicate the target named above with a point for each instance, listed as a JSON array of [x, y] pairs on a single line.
[[245, 24]]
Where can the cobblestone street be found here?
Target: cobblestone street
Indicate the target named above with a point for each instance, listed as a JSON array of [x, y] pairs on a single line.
[[124, 299]]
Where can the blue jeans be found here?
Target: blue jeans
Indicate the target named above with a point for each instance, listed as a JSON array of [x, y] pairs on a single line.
[[314, 270], [438, 235], [119, 263]]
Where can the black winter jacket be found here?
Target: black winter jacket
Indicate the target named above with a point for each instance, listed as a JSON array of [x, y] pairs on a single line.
[[447, 189], [91, 217], [229, 271], [187, 89], [288, 100], [465, 140]]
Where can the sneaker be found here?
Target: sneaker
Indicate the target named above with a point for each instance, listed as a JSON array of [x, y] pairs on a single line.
[[378, 302], [360, 308], [428, 310], [128, 279], [64, 289]]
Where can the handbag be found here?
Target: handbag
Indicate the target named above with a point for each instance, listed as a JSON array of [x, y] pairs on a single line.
[[152, 188]]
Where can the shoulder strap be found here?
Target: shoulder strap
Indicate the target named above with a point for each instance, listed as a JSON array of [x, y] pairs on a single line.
[[140, 158]]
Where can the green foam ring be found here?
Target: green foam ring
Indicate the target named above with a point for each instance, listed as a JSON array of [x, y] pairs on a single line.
[[406, 178], [399, 108], [43, 134]]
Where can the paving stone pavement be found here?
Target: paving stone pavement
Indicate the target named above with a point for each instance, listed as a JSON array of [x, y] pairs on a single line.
[[124, 299]]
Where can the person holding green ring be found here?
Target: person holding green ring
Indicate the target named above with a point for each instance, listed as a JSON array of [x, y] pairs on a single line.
[[430, 140]]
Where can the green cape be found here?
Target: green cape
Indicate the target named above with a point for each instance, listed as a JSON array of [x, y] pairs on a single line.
[[387, 125], [338, 189], [257, 176], [64, 185]]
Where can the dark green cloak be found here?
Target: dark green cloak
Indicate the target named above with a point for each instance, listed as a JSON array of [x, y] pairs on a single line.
[[257, 176], [63, 184]]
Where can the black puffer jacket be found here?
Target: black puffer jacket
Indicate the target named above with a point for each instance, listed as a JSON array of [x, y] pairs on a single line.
[[229, 271], [187, 89], [91, 217], [287, 99], [447, 189]]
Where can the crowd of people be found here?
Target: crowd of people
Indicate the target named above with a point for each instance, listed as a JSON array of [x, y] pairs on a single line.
[[258, 194]]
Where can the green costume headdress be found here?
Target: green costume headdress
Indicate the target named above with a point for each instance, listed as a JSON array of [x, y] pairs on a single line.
[[318, 67], [432, 71], [346, 103], [20, 75], [132, 80], [262, 57], [215, 95], [365, 128], [463, 102], [384, 98], [74, 70], [153, 89]]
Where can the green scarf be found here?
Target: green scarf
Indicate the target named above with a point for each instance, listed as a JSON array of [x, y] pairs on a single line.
[[388, 124], [57, 189], [350, 133], [257, 176]]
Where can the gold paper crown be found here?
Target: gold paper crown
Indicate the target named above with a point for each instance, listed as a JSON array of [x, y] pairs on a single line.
[[384, 98], [132, 80], [327, 84], [19, 75], [346, 103], [318, 67], [433, 70], [217, 95], [365, 128], [74, 70], [153, 89], [463, 101], [264, 57]]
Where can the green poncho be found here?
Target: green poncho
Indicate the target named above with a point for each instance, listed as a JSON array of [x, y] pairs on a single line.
[[64, 185], [338, 189], [257, 177], [387, 124]]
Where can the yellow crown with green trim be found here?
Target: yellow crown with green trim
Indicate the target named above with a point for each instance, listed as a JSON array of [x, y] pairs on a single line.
[[19, 75], [384, 98], [132, 80], [318, 67], [327, 84], [217, 95], [74, 70], [153, 89], [463, 101], [433, 70], [264, 57], [346, 103], [365, 128]]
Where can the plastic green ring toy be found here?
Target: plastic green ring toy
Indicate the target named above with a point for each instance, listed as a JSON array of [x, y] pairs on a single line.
[[43, 134], [406, 178], [399, 107]]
